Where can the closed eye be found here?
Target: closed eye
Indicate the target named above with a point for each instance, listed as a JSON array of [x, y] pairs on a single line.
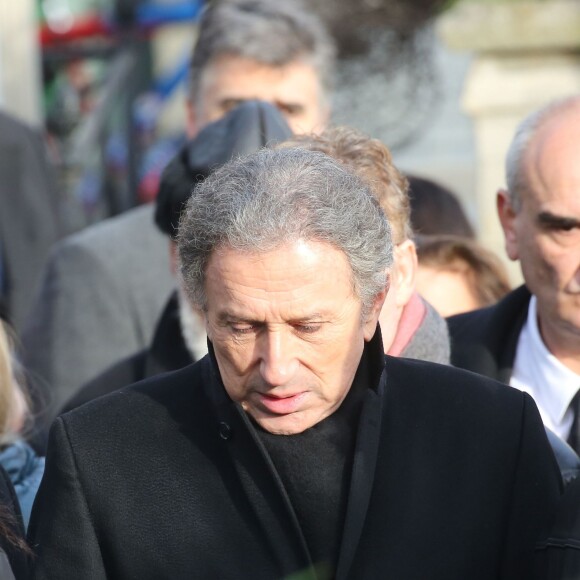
[[307, 327], [241, 328]]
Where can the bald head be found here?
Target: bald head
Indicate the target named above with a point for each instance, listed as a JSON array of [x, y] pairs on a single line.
[[540, 218], [548, 139]]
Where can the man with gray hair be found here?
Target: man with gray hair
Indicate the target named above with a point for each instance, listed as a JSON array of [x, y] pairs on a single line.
[[105, 288], [295, 448], [531, 338]]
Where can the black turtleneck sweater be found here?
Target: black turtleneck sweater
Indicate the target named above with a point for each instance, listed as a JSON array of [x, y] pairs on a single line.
[[315, 468]]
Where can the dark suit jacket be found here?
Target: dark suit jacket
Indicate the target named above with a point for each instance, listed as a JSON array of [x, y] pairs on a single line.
[[485, 341], [453, 478], [29, 215]]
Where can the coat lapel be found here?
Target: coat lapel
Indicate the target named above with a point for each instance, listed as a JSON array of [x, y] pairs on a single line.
[[268, 501], [364, 465], [506, 325]]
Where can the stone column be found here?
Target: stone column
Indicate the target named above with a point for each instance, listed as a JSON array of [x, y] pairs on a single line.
[[526, 53], [20, 82]]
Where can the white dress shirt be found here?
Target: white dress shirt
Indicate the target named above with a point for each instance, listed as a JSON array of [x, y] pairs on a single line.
[[538, 372]]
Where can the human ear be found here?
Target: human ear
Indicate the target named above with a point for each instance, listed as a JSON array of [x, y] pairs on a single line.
[[404, 272], [507, 218], [372, 316]]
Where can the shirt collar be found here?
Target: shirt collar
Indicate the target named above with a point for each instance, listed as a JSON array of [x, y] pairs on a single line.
[[557, 382]]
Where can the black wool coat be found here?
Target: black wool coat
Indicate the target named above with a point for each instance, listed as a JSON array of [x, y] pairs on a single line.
[[452, 478], [558, 556]]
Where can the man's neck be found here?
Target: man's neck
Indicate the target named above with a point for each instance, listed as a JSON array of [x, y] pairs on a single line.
[[563, 343]]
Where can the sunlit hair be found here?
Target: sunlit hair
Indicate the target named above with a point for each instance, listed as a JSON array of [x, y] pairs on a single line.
[[270, 32], [12, 401], [372, 162], [516, 175], [273, 197], [483, 271]]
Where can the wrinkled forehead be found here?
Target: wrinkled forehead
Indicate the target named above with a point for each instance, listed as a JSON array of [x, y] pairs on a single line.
[[285, 273]]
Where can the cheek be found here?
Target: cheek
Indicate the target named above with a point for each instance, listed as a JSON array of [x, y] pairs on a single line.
[[235, 358], [544, 266]]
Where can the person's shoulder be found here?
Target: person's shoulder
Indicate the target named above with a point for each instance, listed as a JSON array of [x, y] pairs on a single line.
[[456, 408], [176, 393], [123, 373], [12, 129], [128, 246], [112, 231], [509, 308], [446, 385]]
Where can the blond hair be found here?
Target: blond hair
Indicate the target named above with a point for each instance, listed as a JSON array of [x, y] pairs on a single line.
[[484, 272], [372, 162], [13, 406]]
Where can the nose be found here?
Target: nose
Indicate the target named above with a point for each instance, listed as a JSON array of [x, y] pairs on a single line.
[[278, 362]]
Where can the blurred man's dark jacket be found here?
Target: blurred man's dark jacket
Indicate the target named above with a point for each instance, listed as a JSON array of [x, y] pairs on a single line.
[[29, 216]]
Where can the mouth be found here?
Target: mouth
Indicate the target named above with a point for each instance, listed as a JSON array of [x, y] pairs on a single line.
[[282, 405]]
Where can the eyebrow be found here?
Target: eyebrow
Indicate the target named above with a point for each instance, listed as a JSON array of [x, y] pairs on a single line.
[[226, 316], [548, 219], [233, 102]]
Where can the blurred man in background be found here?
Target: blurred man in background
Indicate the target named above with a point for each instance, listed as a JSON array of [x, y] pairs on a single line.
[[105, 288], [531, 338]]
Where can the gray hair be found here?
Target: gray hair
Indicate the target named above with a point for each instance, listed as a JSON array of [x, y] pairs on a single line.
[[516, 175], [271, 32], [272, 197]]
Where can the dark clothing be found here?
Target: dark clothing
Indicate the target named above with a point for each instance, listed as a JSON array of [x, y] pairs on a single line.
[[452, 478], [558, 558], [567, 458], [318, 490], [485, 341], [29, 219], [167, 353], [11, 518]]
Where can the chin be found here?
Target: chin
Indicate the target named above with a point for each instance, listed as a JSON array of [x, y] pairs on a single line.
[[286, 424], [283, 427]]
